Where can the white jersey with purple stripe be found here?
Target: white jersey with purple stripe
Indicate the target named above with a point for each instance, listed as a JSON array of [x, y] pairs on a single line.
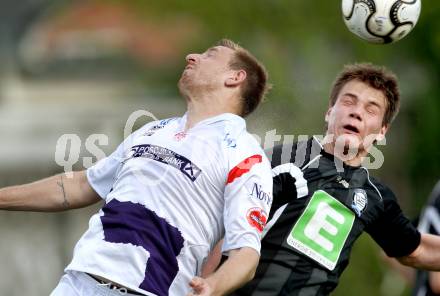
[[170, 195]]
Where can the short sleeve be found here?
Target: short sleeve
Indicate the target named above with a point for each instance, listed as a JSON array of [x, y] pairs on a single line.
[[248, 197], [394, 232], [103, 174]]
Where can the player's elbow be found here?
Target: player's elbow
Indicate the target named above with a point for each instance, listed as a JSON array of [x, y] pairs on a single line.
[[409, 260], [434, 282], [435, 288], [415, 259], [80, 192], [252, 272]]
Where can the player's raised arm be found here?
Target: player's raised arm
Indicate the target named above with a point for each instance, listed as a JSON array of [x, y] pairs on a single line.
[[213, 261], [248, 197], [57, 193], [238, 269]]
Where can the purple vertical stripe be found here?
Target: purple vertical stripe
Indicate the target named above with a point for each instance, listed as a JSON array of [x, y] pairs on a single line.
[[130, 223]]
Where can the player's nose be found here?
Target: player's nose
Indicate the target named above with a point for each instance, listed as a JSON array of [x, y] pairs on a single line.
[[192, 58], [356, 113]]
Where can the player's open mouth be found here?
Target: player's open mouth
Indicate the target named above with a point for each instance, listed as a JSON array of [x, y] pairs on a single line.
[[351, 129]]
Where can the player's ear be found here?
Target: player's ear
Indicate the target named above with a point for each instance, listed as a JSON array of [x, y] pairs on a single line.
[[327, 114], [381, 135], [236, 78]]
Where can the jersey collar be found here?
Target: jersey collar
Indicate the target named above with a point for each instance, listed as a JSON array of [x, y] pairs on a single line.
[[216, 119]]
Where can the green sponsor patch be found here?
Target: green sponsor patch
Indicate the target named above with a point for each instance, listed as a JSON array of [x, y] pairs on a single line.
[[321, 231]]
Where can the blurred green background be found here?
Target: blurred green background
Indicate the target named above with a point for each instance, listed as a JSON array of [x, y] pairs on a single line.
[[83, 66]]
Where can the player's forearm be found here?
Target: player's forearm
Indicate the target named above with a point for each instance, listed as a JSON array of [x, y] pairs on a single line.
[[213, 260], [235, 272], [38, 196], [52, 194], [434, 282]]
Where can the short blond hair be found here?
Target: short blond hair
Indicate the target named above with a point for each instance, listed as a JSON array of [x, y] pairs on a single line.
[[255, 86]]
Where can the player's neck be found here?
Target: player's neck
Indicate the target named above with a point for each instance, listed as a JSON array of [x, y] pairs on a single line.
[[202, 108], [349, 157]]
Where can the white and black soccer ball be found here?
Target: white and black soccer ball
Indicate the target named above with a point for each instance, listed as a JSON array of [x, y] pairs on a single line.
[[381, 21]]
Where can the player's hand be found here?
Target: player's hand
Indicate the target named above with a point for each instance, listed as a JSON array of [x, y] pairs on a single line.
[[200, 286]]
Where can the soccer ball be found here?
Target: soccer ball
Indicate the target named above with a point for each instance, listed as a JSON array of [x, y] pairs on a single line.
[[381, 21]]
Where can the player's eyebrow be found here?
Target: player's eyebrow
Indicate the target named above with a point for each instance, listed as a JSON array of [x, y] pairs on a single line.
[[215, 49], [351, 95], [374, 103]]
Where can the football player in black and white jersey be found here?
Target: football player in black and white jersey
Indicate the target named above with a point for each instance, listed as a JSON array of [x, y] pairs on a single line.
[[324, 199], [428, 282]]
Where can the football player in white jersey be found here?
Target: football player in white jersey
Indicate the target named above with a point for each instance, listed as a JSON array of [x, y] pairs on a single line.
[[172, 189]]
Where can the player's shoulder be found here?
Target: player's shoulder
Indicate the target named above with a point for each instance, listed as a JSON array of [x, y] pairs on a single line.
[[246, 140], [244, 145], [235, 135], [298, 152], [241, 146], [281, 153], [385, 191]]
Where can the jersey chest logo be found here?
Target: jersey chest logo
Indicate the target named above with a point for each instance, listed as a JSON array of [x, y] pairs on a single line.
[[168, 157], [322, 230]]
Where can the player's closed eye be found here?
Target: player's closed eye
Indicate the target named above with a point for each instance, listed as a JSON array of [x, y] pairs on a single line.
[[348, 100], [372, 110]]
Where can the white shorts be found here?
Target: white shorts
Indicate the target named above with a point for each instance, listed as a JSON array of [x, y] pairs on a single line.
[[75, 283]]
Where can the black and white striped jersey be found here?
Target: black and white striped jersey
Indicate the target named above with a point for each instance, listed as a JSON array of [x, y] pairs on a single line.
[[320, 207], [429, 222]]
